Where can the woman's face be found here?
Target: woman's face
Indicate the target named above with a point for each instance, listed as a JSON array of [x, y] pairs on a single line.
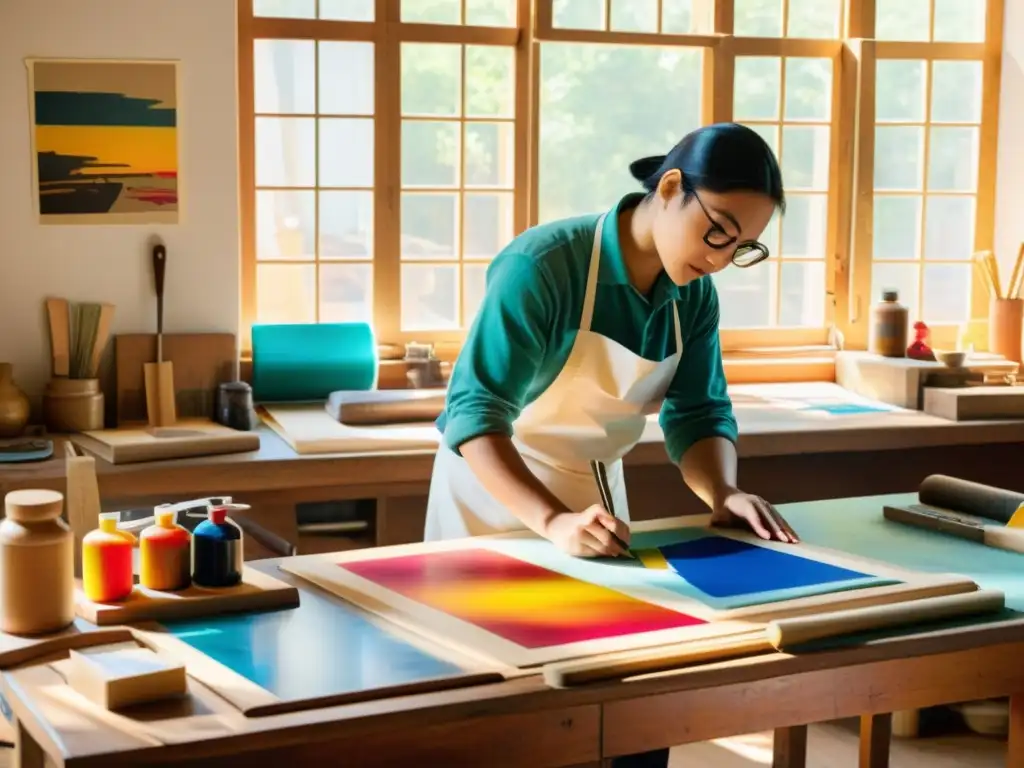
[[679, 230]]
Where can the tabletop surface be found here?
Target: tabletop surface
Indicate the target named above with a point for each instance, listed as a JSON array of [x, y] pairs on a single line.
[[325, 646]]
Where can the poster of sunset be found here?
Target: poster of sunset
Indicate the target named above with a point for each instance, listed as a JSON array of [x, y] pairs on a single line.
[[106, 141]]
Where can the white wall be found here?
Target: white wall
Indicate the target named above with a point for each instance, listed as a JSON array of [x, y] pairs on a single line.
[[111, 263], [1010, 174]]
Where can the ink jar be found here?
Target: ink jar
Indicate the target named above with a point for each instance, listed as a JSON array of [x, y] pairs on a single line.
[[37, 564], [107, 562], [217, 551], [165, 554], [889, 326]]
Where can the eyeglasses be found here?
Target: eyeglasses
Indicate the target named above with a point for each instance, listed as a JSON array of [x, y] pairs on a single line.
[[747, 253]]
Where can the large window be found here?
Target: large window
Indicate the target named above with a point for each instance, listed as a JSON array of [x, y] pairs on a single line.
[[392, 147]]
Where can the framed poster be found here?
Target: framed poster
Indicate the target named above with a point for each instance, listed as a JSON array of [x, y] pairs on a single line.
[[105, 140]]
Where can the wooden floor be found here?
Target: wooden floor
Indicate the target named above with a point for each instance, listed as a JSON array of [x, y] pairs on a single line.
[[835, 746]]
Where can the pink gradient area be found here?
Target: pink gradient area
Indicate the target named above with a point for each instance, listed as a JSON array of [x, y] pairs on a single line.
[[521, 602]]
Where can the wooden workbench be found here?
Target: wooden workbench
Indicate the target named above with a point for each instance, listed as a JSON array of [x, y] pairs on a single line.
[[786, 455], [523, 722]]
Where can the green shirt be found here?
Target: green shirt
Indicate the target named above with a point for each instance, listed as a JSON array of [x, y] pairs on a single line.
[[530, 315]]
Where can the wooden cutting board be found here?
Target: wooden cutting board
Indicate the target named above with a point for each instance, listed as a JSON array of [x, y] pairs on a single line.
[[188, 438], [201, 362]]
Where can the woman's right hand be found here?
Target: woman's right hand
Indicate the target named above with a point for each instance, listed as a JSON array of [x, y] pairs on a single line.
[[590, 533]]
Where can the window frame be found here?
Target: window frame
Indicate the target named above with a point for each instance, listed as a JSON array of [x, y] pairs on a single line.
[[848, 261]]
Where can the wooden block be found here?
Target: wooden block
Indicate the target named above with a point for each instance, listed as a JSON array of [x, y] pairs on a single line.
[[125, 677], [201, 362], [974, 403], [195, 437]]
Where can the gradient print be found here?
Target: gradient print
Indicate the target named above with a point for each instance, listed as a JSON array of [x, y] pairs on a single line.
[[106, 140], [518, 601]]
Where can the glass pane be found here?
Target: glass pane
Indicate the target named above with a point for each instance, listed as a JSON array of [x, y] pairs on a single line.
[[902, 278], [770, 133], [346, 78], [603, 106], [757, 88], [898, 157], [677, 18], [491, 13], [285, 154], [953, 159], [490, 155], [634, 15], [804, 226], [745, 295], [905, 20], [474, 286], [283, 76], [770, 236], [813, 18], [429, 226], [285, 9], [802, 294], [285, 225], [960, 21], [346, 293], [346, 152], [956, 91], [897, 227], [430, 153], [578, 14], [899, 90], [346, 224], [432, 11], [430, 297], [808, 89], [805, 156], [488, 222], [431, 79], [949, 228], [347, 10], [285, 293], [947, 293], [758, 18], [490, 81]]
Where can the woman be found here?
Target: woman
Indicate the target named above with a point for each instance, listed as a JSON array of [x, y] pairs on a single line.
[[587, 323]]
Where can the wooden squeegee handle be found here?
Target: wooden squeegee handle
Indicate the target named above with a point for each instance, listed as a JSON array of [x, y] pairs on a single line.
[[787, 633], [780, 634]]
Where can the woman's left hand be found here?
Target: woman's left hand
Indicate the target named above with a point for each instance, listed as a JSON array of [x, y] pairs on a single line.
[[735, 507]]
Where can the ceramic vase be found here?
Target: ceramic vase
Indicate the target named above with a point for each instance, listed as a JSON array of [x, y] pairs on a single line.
[[14, 406]]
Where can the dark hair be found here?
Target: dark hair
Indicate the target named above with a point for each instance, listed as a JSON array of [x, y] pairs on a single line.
[[723, 157]]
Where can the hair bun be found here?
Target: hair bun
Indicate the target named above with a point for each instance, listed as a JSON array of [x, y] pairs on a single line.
[[646, 167]]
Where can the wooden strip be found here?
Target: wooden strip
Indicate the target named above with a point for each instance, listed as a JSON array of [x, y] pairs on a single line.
[[875, 735], [785, 46], [387, 142], [887, 49], [452, 34], [862, 246], [60, 335], [247, 172], [307, 29], [15, 651], [601, 37]]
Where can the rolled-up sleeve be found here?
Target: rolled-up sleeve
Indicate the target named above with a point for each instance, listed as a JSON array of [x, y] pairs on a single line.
[[697, 404], [504, 351]]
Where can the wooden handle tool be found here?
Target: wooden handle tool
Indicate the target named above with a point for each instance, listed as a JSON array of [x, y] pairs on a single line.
[[160, 395], [60, 335], [604, 489], [777, 635], [964, 526]]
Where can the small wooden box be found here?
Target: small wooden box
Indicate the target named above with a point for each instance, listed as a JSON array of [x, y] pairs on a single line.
[[124, 677]]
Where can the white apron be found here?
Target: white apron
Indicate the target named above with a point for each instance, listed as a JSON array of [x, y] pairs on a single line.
[[595, 409]]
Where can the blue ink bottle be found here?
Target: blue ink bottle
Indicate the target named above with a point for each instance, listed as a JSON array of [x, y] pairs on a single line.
[[217, 551]]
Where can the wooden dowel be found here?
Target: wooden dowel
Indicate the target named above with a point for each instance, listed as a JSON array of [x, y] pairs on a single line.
[[786, 633], [1017, 276], [778, 635]]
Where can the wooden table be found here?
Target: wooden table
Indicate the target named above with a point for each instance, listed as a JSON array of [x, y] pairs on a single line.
[[522, 722], [787, 454]]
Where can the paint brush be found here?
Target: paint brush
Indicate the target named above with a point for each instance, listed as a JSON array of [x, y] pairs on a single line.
[[601, 476]]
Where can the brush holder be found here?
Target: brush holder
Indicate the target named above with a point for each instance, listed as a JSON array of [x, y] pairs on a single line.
[[73, 405], [1005, 320]]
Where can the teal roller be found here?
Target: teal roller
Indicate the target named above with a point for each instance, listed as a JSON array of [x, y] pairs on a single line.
[[303, 362]]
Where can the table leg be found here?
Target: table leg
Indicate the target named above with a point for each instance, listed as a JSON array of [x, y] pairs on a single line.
[[1015, 747], [27, 753], [789, 747], [875, 735]]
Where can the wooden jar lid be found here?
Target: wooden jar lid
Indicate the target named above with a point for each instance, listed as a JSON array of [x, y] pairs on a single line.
[[34, 506]]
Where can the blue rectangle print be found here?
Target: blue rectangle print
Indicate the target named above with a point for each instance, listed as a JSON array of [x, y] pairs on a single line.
[[721, 567]]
